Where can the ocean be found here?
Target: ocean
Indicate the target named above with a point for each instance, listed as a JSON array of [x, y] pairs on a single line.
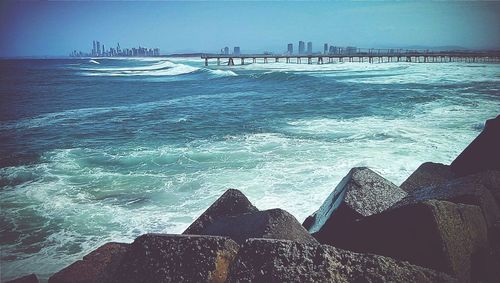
[[103, 150]]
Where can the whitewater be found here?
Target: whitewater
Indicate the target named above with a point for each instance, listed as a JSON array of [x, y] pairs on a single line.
[[98, 150]]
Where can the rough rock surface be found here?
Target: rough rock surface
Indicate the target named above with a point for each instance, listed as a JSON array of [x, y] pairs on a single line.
[[232, 202], [177, 258], [361, 193], [458, 191], [436, 234], [489, 179], [273, 224], [482, 153], [25, 279], [427, 175], [266, 260], [97, 266]]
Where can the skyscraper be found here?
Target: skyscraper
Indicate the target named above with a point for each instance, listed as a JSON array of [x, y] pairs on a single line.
[[309, 47], [289, 48], [302, 47], [236, 50], [103, 50], [226, 50], [325, 48], [98, 44], [94, 49]]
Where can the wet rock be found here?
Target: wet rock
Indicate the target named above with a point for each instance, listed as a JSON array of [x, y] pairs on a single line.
[[436, 234], [273, 224], [97, 266], [25, 279], [232, 202], [482, 154], [269, 260], [361, 193], [458, 191], [428, 174], [177, 258]]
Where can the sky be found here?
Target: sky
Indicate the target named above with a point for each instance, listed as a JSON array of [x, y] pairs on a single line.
[[56, 28]]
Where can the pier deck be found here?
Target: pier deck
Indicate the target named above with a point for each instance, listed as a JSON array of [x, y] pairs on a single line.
[[371, 57]]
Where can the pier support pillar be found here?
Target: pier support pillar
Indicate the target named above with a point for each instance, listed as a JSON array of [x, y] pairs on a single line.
[[206, 62], [320, 60], [242, 61], [254, 60], [309, 60], [218, 61], [276, 59], [230, 62]]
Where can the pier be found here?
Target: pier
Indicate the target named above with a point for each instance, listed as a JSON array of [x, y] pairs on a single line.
[[369, 55]]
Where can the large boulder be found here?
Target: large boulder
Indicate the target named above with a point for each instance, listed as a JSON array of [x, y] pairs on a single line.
[[489, 179], [25, 279], [266, 260], [273, 224], [361, 193], [436, 234], [232, 202], [458, 191], [177, 258], [97, 266], [427, 175], [482, 154]]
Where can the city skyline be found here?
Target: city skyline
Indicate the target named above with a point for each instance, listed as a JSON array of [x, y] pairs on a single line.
[[56, 28], [98, 51]]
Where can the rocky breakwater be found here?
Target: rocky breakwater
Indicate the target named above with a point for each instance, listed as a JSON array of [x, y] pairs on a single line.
[[441, 225]]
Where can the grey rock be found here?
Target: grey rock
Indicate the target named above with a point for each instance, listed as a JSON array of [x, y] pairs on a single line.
[[232, 202], [490, 179], [25, 279], [95, 267], [482, 154], [428, 174], [436, 234], [177, 258], [458, 191], [361, 193], [268, 260], [273, 224]]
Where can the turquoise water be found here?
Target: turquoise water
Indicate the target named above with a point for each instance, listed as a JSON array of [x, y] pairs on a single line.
[[108, 149]]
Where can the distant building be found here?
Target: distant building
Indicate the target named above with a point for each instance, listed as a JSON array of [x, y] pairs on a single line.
[[94, 49], [309, 47], [98, 44], [289, 48], [226, 50], [351, 50], [236, 50], [302, 47], [325, 48]]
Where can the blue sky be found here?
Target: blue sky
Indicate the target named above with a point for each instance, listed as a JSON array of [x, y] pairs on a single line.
[[56, 28]]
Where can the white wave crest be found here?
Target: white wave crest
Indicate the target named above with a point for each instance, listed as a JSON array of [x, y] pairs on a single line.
[[223, 73], [162, 68]]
